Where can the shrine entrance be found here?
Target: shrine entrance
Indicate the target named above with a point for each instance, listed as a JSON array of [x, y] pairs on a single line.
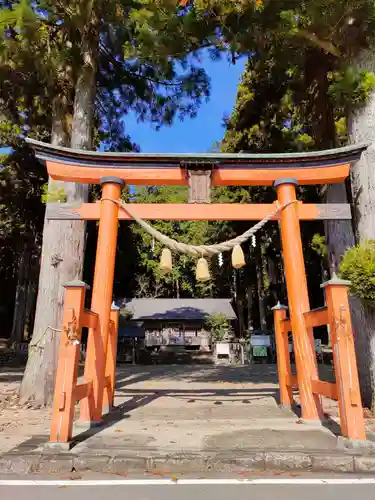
[[200, 172]]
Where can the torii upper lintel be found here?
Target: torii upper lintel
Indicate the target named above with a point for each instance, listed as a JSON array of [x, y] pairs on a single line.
[[233, 169]]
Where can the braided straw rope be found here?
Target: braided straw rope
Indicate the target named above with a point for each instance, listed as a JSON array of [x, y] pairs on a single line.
[[201, 250]]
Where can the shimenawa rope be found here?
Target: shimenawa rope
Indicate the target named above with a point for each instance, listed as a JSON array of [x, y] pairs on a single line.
[[200, 250]]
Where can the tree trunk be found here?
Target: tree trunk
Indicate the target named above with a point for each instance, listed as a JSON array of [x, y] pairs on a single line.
[[362, 130], [260, 288], [61, 261], [63, 245], [339, 233], [240, 314], [20, 306], [32, 291], [340, 237], [249, 307]]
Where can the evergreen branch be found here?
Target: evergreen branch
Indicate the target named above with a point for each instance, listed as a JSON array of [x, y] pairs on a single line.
[[326, 45]]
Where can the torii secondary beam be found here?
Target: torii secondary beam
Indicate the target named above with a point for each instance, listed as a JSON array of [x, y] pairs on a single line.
[[195, 211]]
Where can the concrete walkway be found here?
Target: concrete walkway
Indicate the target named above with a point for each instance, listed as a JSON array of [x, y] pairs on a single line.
[[202, 408], [180, 414]]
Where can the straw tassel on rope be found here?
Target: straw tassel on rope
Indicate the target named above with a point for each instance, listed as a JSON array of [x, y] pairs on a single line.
[[166, 260], [202, 273], [238, 257]]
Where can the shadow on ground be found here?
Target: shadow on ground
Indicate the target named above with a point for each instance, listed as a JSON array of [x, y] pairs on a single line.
[[151, 398]]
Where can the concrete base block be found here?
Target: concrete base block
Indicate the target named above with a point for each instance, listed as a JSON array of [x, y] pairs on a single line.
[[57, 447], [20, 464], [94, 463], [88, 424], [107, 409], [122, 465], [333, 463], [313, 423], [344, 443], [364, 464], [285, 407], [287, 461], [55, 464]]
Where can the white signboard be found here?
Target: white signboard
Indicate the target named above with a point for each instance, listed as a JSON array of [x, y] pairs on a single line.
[[260, 340], [222, 349]]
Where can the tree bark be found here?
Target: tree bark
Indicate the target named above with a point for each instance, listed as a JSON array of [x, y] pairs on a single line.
[[240, 314], [63, 241], [362, 130], [20, 306], [341, 235], [32, 291], [249, 307], [260, 287], [60, 261]]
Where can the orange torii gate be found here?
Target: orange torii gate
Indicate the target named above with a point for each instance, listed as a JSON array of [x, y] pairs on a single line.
[[283, 171]]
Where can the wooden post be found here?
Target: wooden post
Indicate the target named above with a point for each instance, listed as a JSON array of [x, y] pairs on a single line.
[[67, 369], [97, 346], [110, 371], [344, 358], [283, 358], [298, 299]]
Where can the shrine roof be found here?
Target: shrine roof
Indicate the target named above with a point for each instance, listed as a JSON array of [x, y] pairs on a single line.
[[338, 156], [176, 309]]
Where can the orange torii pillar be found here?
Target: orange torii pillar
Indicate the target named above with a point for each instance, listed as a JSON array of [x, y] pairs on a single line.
[[97, 348], [283, 358], [345, 363], [294, 266], [110, 367]]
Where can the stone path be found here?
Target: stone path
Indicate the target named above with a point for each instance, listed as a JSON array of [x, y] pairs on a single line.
[[181, 417], [178, 408]]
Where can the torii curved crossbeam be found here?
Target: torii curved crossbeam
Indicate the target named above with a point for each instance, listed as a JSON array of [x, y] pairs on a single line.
[[239, 169]]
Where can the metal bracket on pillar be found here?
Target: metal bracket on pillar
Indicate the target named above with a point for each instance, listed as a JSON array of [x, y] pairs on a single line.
[[113, 180], [76, 284], [336, 281], [285, 180], [279, 307]]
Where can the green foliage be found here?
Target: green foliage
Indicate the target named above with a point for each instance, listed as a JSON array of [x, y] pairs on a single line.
[[21, 224], [318, 244], [218, 327], [351, 88], [181, 282], [127, 314], [294, 95], [358, 266], [53, 194], [141, 50]]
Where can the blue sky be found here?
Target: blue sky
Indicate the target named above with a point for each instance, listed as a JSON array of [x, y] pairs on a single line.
[[195, 135]]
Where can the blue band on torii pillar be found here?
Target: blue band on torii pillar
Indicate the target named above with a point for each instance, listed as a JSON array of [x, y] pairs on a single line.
[[113, 180], [285, 180]]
